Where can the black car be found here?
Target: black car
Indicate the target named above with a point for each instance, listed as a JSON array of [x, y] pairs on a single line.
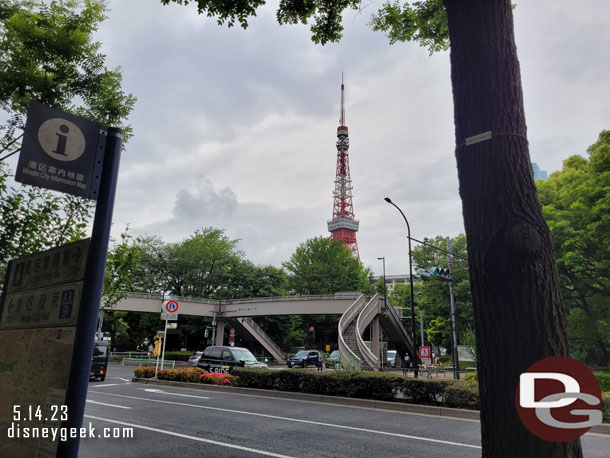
[[99, 361], [304, 358], [223, 359]]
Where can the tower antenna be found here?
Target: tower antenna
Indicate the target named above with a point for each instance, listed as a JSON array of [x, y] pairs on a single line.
[[343, 225], [342, 118]]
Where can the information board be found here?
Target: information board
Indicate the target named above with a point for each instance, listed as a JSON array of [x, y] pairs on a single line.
[[62, 152], [38, 314]]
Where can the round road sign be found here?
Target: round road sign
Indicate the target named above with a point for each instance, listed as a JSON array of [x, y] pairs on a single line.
[[171, 306]]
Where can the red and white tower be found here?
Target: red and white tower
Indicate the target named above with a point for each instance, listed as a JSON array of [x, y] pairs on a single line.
[[343, 226]]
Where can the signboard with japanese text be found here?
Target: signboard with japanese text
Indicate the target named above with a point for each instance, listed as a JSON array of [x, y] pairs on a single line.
[[38, 315], [61, 152], [41, 308], [59, 265]]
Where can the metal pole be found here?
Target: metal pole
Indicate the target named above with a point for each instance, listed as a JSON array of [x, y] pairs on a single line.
[[163, 346], [84, 339], [456, 362], [158, 355], [421, 326], [415, 346]]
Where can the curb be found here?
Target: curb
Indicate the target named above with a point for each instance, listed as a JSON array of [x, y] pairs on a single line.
[[337, 400]]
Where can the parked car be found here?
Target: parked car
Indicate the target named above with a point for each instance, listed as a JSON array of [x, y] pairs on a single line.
[[333, 359], [304, 358], [224, 359], [194, 358], [391, 358]]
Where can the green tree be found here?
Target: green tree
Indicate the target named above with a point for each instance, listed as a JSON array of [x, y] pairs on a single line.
[[324, 266], [506, 231], [434, 297], [576, 205], [439, 333], [47, 53]]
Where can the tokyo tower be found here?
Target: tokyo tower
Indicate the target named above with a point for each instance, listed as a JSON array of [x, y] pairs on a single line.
[[343, 226]]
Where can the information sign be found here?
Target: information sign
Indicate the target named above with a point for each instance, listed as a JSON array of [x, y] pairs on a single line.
[[62, 152]]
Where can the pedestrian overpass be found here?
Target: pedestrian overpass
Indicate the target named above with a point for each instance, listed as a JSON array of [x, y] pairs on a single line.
[[357, 314]]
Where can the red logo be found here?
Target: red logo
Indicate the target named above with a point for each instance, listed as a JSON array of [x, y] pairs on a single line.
[[558, 399]]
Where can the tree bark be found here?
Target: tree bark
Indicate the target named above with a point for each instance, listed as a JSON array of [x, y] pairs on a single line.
[[519, 316]]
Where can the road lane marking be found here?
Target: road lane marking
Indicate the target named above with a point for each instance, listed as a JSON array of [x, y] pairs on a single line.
[[298, 420], [155, 390], [107, 384], [104, 404], [185, 436], [124, 379]]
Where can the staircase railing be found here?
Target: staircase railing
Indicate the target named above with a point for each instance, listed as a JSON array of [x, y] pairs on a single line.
[[345, 353], [261, 336], [367, 313]]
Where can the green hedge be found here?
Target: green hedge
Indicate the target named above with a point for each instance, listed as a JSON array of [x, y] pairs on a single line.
[[178, 355], [366, 385], [604, 380], [606, 407]]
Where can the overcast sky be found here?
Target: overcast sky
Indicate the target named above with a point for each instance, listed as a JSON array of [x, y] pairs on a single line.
[[236, 128]]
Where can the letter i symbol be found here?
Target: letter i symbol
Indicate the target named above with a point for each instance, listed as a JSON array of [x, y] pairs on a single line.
[[61, 140]]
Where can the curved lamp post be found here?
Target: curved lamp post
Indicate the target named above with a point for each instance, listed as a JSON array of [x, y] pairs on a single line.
[[415, 346]]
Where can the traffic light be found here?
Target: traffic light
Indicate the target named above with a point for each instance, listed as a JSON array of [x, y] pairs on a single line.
[[440, 272], [435, 272]]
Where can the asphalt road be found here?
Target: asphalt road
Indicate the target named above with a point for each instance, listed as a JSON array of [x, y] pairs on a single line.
[[177, 422]]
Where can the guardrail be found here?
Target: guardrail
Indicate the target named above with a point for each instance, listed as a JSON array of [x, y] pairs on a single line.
[[147, 362]]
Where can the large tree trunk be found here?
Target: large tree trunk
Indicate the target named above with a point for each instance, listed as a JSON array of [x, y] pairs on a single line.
[[518, 311]]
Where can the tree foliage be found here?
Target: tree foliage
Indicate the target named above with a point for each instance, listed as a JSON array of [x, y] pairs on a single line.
[[434, 299], [576, 205], [47, 53], [121, 263], [324, 266]]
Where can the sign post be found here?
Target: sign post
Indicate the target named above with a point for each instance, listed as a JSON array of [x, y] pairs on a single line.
[[92, 292], [72, 155], [169, 311]]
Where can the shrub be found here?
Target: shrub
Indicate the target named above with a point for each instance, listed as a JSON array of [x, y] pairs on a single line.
[[367, 385], [473, 376], [606, 406], [217, 379], [178, 355], [604, 380], [463, 394], [144, 372]]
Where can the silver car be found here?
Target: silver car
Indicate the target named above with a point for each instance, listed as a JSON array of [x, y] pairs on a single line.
[[194, 358]]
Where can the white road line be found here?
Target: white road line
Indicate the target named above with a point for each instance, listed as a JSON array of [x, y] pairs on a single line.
[[155, 390], [184, 436], [298, 420], [104, 404], [124, 379], [106, 384]]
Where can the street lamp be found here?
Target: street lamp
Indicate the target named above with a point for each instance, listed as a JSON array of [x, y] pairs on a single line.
[[385, 288], [415, 346]]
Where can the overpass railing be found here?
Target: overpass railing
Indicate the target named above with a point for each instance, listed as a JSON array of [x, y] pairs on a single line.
[[338, 296]]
